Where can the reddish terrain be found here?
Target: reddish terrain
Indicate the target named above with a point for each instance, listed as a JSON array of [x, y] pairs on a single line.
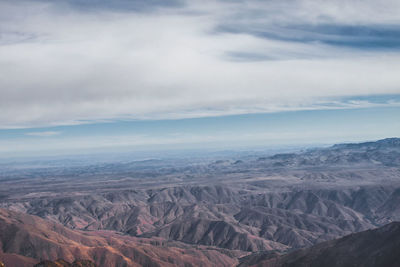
[[26, 239]]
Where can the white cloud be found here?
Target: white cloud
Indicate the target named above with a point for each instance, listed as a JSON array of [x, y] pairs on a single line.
[[43, 134], [61, 67]]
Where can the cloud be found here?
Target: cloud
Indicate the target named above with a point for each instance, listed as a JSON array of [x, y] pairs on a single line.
[[65, 62], [353, 36], [43, 134], [105, 5]]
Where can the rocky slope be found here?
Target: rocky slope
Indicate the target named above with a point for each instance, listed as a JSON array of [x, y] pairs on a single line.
[[226, 217], [26, 239], [63, 263], [223, 217], [372, 248]]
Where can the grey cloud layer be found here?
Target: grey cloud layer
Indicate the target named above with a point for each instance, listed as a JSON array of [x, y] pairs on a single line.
[[67, 62]]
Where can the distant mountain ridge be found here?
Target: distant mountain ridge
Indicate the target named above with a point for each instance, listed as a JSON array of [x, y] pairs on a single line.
[[385, 152], [383, 143]]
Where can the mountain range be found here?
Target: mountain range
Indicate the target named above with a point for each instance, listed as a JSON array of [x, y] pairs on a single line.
[[25, 239], [250, 209]]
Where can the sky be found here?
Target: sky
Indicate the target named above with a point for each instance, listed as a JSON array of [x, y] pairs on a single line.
[[78, 75]]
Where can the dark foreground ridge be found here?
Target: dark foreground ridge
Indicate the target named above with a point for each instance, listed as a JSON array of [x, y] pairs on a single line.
[[372, 248]]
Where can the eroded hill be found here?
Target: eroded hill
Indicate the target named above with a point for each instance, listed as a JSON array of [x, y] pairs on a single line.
[[273, 203], [26, 239]]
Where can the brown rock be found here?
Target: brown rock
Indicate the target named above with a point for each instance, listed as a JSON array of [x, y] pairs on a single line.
[[63, 263], [26, 239], [83, 263]]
